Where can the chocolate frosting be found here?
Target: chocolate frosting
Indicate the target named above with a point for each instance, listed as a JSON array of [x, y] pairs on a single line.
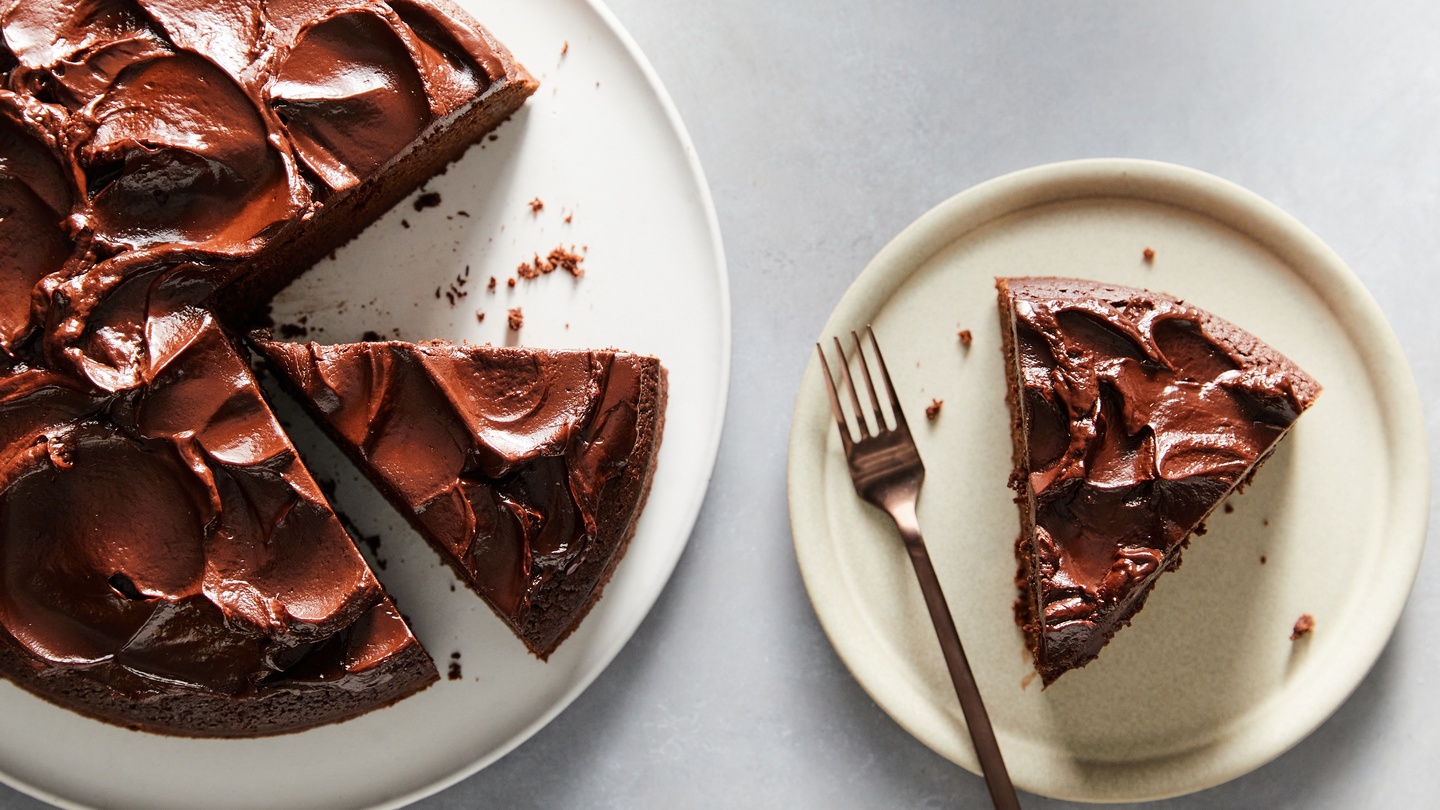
[[222, 570], [186, 130], [1140, 414], [157, 531], [501, 454]]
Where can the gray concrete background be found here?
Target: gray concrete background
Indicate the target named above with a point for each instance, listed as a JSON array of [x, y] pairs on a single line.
[[826, 127]]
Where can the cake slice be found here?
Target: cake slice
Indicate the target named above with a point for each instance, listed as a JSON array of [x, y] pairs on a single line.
[[167, 563], [526, 469], [1133, 415]]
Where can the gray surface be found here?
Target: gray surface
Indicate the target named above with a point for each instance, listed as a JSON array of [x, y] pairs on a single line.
[[825, 127]]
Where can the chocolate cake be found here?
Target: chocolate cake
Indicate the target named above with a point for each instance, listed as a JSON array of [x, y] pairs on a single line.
[[166, 561], [1133, 416], [526, 469], [168, 564]]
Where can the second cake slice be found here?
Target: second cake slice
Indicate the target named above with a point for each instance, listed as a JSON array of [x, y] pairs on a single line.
[[526, 469]]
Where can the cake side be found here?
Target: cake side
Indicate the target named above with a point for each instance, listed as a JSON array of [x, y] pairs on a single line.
[[621, 504], [1134, 416]]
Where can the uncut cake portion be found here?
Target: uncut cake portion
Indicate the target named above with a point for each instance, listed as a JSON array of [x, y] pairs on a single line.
[[526, 469], [1133, 416], [166, 562]]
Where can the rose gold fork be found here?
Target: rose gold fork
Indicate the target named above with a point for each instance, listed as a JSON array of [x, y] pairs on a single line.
[[887, 472]]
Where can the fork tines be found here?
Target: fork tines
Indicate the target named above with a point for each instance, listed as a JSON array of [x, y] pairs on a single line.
[[835, 408]]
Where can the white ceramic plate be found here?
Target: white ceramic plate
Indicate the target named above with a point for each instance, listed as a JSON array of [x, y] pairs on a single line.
[[1205, 685], [602, 142]]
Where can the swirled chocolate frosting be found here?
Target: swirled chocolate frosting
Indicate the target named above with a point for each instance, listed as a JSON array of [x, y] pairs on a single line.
[[167, 537], [524, 468], [223, 131], [166, 562], [1134, 415]]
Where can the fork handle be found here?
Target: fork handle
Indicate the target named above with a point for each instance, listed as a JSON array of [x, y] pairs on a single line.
[[992, 765]]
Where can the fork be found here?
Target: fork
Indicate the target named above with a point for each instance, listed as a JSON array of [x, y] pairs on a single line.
[[887, 472]]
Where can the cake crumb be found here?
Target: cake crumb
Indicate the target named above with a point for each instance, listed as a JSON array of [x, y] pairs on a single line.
[[557, 259], [292, 330], [371, 336], [1264, 521], [491, 285], [479, 316], [1149, 255], [454, 673], [536, 206], [463, 213], [516, 319], [565, 47], [510, 282], [569, 215], [404, 223], [933, 409], [966, 338], [1264, 559], [1229, 508], [1303, 626], [429, 199]]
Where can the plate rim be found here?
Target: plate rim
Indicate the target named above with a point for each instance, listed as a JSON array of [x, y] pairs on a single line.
[[709, 452], [1190, 189]]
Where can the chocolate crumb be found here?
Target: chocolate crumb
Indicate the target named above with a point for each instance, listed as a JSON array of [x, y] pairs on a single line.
[[437, 292], [371, 336], [536, 206], [1264, 559], [454, 673], [429, 199], [491, 285], [404, 223], [966, 338], [1303, 626], [494, 137], [1264, 521], [452, 587], [516, 319], [510, 282], [1229, 509], [933, 409], [455, 656], [292, 330], [465, 214], [1149, 255], [480, 316]]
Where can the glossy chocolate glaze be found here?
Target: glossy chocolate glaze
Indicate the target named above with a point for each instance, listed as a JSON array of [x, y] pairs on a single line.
[[502, 457], [167, 536], [1139, 414]]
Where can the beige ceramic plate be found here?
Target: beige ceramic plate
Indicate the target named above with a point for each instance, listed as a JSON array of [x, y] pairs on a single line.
[[1205, 685]]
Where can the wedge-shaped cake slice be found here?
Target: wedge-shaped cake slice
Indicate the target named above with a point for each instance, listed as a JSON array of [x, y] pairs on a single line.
[[526, 469], [167, 562], [1133, 415]]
